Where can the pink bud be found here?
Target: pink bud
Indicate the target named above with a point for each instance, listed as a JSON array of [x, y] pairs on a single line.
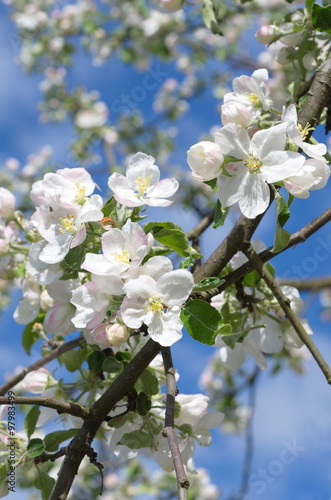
[[266, 34], [37, 381], [205, 159], [108, 335], [7, 203], [235, 112]]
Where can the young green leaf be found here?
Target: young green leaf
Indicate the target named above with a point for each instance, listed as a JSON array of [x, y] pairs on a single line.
[[45, 484], [31, 420], [208, 284], [54, 439], [201, 320], [172, 236], [144, 403], [220, 215], [136, 439], [35, 447], [282, 236]]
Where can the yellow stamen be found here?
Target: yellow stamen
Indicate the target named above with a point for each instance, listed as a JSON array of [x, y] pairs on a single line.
[[253, 164], [255, 100], [155, 304], [142, 184], [305, 131], [80, 194], [67, 224], [123, 256]]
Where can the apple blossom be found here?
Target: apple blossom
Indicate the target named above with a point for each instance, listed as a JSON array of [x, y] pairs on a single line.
[[123, 251], [29, 306], [205, 159], [58, 318], [235, 112], [266, 34], [252, 91], [7, 203], [156, 303], [261, 160], [96, 116], [108, 335], [141, 185], [37, 381]]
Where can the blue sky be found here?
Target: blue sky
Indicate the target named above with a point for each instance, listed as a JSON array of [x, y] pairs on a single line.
[[292, 412]]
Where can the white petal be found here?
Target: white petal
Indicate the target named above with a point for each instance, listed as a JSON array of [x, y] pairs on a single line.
[[233, 140], [280, 165], [97, 264], [232, 189], [175, 287], [257, 196], [267, 140], [166, 329]]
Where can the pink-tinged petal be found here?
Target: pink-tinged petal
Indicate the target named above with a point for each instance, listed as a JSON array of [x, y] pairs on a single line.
[[267, 140], [77, 175], [166, 329], [297, 190], [89, 301], [233, 140], [123, 193], [58, 319], [97, 264], [113, 243], [164, 189], [136, 240], [133, 312], [55, 252], [157, 202], [232, 189], [280, 165], [79, 237], [175, 287], [256, 198], [147, 171]]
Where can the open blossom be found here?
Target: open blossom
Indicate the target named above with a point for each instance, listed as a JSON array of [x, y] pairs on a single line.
[[156, 303], [142, 185], [123, 251], [96, 116], [58, 318], [252, 91], [205, 159], [262, 160]]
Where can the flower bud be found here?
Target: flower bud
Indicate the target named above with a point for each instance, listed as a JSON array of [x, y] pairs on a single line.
[[37, 381], [266, 34], [235, 112], [108, 335], [7, 203], [205, 159]]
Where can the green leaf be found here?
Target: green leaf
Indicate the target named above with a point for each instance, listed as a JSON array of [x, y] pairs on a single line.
[[3, 474], [220, 215], [54, 439], [95, 361], [149, 383], [29, 336], [73, 359], [136, 439], [321, 18], [252, 279], [212, 183], [282, 237], [45, 484], [209, 17], [112, 365], [75, 257], [233, 338], [172, 236], [201, 320], [187, 262], [144, 403], [109, 207], [31, 420], [208, 284], [35, 447], [309, 5]]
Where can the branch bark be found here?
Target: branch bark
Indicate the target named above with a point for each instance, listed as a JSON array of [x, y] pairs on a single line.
[[169, 427], [74, 409]]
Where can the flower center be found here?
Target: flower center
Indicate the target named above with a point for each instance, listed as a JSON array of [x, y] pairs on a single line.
[[142, 184], [305, 131], [255, 100], [253, 164], [155, 304], [80, 194], [67, 224], [123, 256]]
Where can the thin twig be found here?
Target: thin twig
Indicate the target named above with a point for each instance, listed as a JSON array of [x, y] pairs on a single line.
[[64, 347], [169, 427], [257, 263], [205, 222], [74, 409], [50, 457], [312, 284]]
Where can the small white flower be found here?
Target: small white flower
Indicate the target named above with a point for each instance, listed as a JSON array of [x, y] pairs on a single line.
[[96, 116], [205, 159], [235, 112], [7, 203], [313, 175], [141, 185]]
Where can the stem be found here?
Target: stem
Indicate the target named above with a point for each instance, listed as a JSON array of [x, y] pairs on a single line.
[[64, 347], [194, 233], [169, 427], [313, 284], [74, 409], [284, 303]]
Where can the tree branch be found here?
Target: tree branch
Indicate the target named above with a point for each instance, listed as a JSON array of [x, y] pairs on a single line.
[[205, 222], [74, 409], [81, 443], [284, 303], [169, 427], [64, 347], [312, 284]]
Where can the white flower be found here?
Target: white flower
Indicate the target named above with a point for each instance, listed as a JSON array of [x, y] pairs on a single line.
[[7, 203], [156, 303], [142, 186], [236, 356], [42, 273], [313, 175], [96, 116], [235, 112], [266, 34], [37, 381], [298, 134], [252, 91], [262, 160], [29, 306], [58, 318], [205, 159], [123, 251]]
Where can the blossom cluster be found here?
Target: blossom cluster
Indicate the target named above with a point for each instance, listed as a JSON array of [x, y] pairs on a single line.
[[247, 156]]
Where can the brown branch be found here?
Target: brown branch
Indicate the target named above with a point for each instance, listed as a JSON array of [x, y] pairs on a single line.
[[205, 222], [312, 284], [284, 304], [64, 347], [317, 98], [74, 409], [50, 457], [299, 237], [169, 425], [81, 443]]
